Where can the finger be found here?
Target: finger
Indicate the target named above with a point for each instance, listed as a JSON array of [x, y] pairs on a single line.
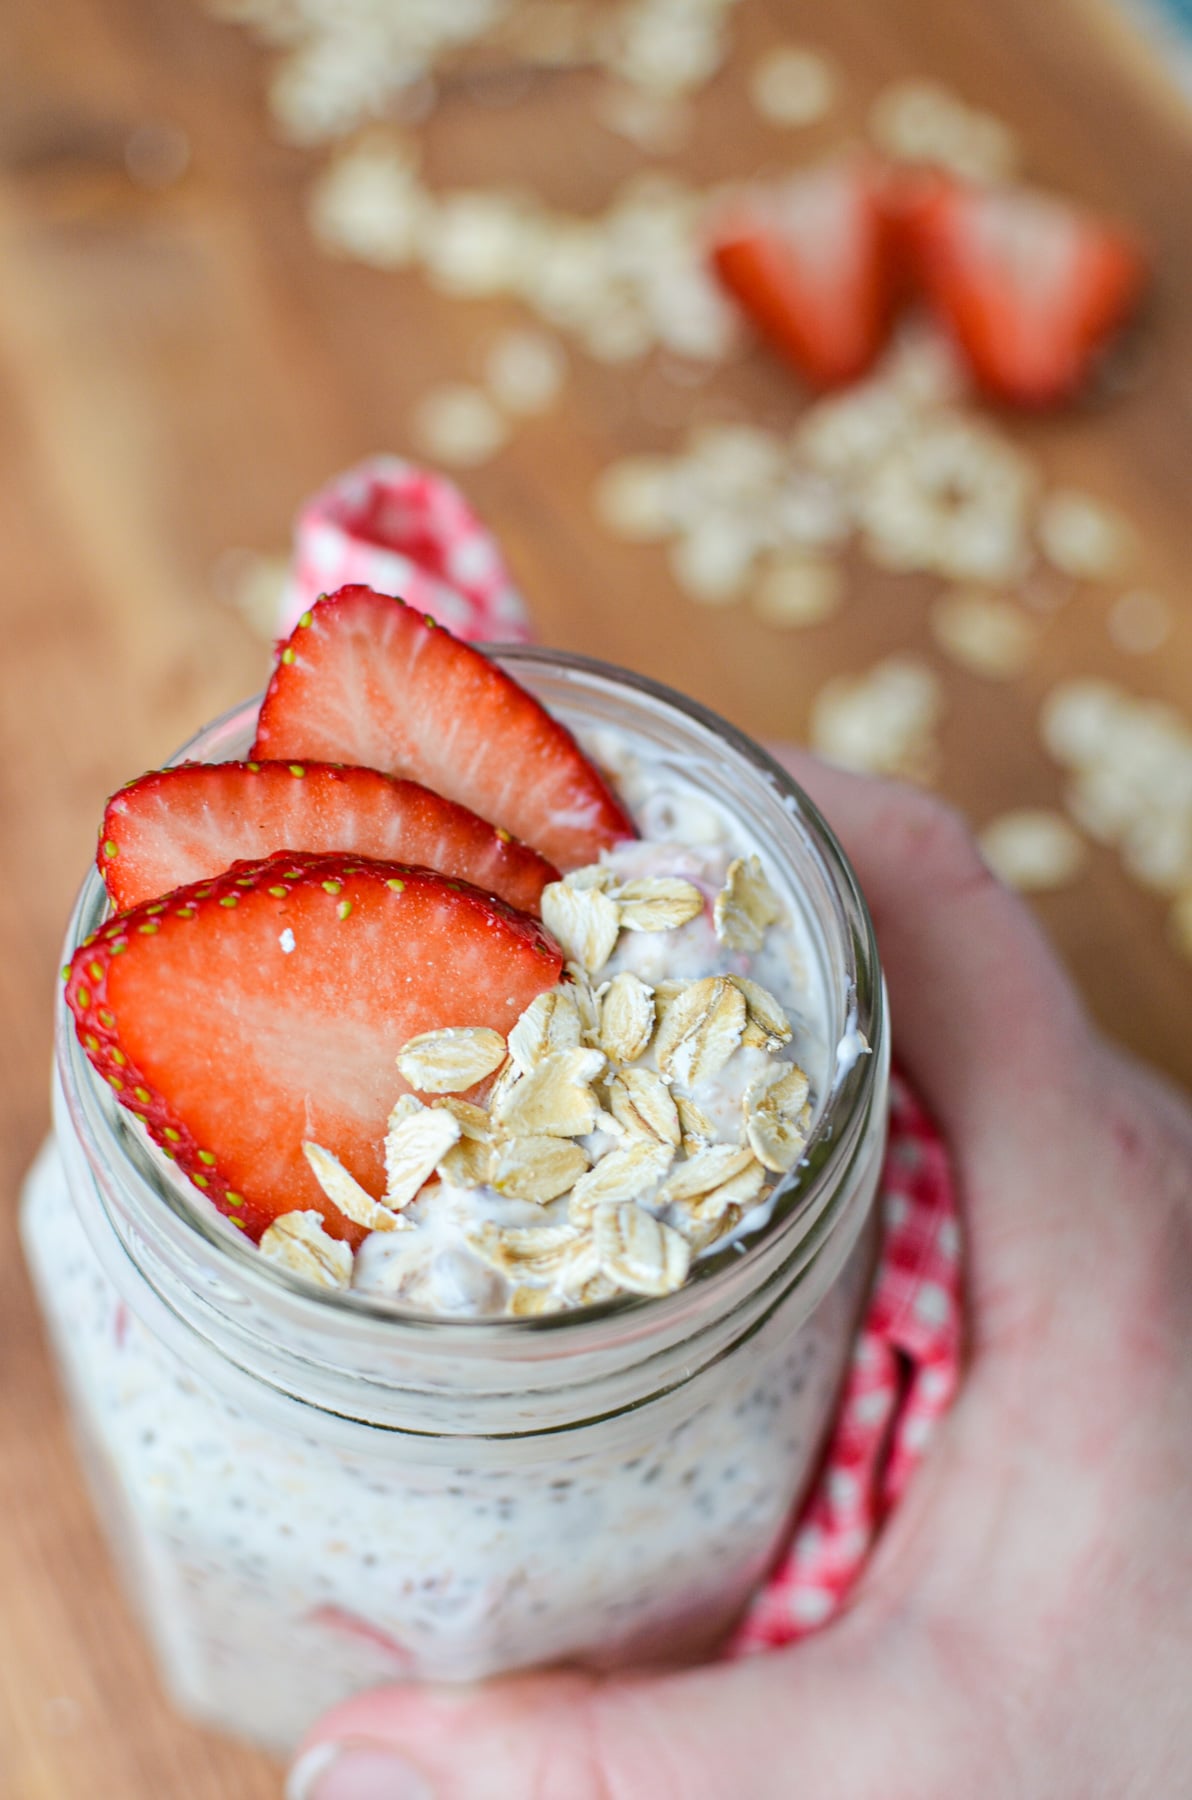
[[984, 1018], [777, 1727], [966, 964]]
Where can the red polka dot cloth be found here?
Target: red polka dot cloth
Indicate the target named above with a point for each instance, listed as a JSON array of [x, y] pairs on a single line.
[[904, 1373], [405, 531], [400, 529]]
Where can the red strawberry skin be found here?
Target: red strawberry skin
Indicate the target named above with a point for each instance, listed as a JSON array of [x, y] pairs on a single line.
[[365, 679], [1032, 289], [232, 1048], [186, 824], [811, 260]]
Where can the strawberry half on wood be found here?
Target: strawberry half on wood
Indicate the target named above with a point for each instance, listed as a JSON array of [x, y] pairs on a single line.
[[811, 260], [365, 679], [185, 824], [236, 1018], [1031, 288]]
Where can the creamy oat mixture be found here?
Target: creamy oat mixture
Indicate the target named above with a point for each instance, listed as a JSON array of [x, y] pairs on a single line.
[[639, 1115], [282, 1570], [286, 1559]]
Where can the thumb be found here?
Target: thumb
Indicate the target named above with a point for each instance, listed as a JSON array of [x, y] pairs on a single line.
[[991, 1032], [782, 1726]]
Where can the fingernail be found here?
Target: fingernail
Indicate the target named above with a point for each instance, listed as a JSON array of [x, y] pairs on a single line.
[[355, 1772]]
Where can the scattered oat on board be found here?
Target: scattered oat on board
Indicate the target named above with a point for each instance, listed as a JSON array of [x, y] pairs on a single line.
[[253, 585], [346, 62], [667, 47], [621, 334], [657, 123], [1033, 849], [1081, 536], [633, 498], [621, 283], [727, 461], [459, 425], [792, 85], [1139, 622], [450, 1060], [1157, 851], [952, 498], [1130, 777], [525, 371], [809, 513], [984, 633], [476, 242], [796, 589], [844, 436], [882, 722], [922, 121], [896, 462], [299, 1243], [713, 560], [369, 205], [1082, 721]]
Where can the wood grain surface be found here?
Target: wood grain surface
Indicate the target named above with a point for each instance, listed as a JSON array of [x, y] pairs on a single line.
[[179, 367]]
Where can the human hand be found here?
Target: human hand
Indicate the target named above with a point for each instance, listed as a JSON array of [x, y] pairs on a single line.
[[1024, 1630]]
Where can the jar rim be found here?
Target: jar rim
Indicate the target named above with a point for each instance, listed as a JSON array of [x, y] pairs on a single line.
[[799, 1198]]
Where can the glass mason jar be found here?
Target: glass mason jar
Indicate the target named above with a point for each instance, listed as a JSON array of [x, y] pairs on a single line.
[[312, 1491]]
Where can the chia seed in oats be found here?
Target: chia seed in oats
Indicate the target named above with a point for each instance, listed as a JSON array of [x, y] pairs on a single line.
[[313, 1491]]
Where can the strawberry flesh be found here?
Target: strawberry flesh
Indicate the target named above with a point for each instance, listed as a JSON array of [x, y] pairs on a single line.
[[1032, 289], [365, 679], [240, 1016], [811, 261], [186, 824]]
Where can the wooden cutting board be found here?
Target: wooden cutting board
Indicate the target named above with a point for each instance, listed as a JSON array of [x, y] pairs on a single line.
[[179, 366]]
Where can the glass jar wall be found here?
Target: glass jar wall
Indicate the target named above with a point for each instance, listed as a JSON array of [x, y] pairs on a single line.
[[313, 1491]]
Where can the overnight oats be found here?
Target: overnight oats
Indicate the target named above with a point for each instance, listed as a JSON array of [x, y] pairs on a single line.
[[453, 1236]]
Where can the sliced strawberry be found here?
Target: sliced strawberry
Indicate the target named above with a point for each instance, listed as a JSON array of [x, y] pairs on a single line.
[[366, 679], [186, 824], [239, 1016], [811, 261], [1031, 288]]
